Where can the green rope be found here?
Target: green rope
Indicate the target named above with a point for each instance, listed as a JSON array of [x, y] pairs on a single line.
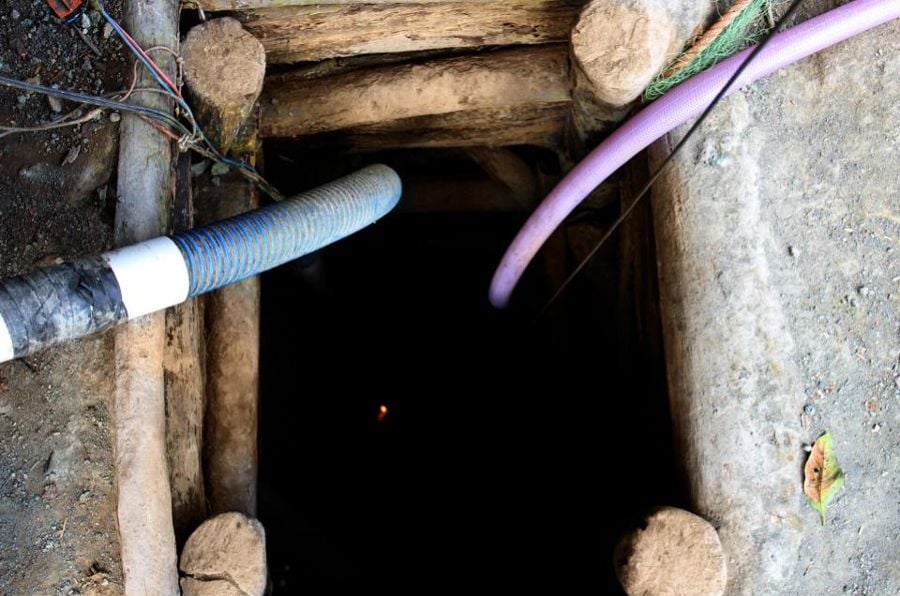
[[746, 29]]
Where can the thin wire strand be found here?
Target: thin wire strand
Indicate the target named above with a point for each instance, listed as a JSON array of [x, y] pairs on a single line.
[[624, 215], [194, 138], [197, 132], [63, 122], [94, 100], [154, 69]]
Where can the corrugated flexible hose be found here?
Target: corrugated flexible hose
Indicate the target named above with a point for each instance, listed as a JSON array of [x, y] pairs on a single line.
[[55, 304]]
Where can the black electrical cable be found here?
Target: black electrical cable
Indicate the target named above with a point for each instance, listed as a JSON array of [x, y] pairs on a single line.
[[94, 100], [246, 170]]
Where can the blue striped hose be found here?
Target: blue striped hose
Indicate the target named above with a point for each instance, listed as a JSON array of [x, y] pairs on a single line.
[[242, 246]]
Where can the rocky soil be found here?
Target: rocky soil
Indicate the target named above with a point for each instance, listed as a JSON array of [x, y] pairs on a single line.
[[57, 502]]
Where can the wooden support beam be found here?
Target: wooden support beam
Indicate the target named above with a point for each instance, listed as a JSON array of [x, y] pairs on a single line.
[[224, 68], [309, 33], [144, 509], [232, 355], [618, 48], [493, 127], [183, 366], [458, 195], [511, 171], [510, 97], [184, 381], [226, 100]]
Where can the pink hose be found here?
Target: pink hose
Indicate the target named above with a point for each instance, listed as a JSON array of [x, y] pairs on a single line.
[[675, 108]]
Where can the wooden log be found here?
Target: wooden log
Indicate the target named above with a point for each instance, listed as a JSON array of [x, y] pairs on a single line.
[[499, 127], [144, 507], [437, 180], [317, 32], [227, 98], [618, 48], [454, 195], [232, 324], [725, 314], [769, 330], [224, 68], [232, 354], [515, 96], [225, 556], [673, 551]]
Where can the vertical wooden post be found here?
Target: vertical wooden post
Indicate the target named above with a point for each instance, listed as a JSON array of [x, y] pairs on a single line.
[[232, 382], [224, 101], [184, 384], [144, 508]]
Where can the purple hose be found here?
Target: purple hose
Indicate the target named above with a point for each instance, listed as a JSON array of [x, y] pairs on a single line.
[[686, 101]]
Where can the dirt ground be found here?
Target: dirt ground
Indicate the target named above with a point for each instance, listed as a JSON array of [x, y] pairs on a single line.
[[779, 231], [56, 476]]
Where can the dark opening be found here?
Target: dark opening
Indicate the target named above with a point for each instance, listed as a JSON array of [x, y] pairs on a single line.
[[513, 452]]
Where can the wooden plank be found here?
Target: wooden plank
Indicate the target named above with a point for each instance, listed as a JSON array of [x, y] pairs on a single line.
[[516, 96], [321, 31], [184, 381]]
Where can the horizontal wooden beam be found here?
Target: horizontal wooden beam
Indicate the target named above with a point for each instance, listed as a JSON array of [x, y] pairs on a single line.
[[309, 33], [493, 127], [223, 5], [509, 97]]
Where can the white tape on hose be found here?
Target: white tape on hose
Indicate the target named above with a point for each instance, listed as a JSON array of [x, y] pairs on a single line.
[[152, 276], [6, 344]]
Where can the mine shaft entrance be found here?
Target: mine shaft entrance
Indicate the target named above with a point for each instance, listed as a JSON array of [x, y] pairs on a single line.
[[412, 436]]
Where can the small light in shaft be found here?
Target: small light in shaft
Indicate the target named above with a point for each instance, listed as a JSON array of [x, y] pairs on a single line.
[[382, 412]]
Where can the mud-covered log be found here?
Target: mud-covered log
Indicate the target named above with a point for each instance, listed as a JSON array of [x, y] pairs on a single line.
[[224, 68], [510, 97], [494, 127], [232, 322], [309, 33], [225, 556], [619, 47]]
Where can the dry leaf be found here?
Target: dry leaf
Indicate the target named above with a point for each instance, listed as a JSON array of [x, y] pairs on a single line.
[[824, 478]]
